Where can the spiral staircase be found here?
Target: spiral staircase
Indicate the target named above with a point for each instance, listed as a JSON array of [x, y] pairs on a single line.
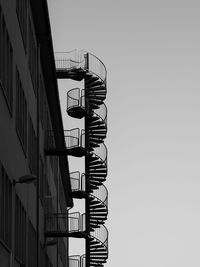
[[87, 104]]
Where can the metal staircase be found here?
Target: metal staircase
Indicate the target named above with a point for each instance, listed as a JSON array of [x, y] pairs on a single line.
[[87, 103]]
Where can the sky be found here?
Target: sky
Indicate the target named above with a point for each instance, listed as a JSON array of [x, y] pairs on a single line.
[[151, 52]]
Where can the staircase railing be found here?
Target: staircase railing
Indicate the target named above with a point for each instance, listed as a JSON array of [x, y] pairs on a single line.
[[96, 66], [101, 152], [101, 234], [102, 112], [102, 194]]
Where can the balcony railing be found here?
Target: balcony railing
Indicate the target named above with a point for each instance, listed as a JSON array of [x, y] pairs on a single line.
[[79, 59], [76, 222], [70, 60], [76, 98], [77, 181], [59, 224], [77, 261], [74, 139]]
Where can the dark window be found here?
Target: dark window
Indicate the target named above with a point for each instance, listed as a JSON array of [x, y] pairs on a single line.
[[33, 58], [48, 262], [32, 147], [21, 9], [20, 231], [42, 256], [6, 63], [21, 113], [32, 246], [5, 207], [62, 251]]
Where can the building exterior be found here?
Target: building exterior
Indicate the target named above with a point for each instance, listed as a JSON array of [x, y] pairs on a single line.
[[36, 186], [29, 108]]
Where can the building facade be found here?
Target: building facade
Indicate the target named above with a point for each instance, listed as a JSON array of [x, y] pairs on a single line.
[[37, 189], [33, 185]]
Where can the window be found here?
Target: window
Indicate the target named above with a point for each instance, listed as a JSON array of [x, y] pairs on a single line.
[[5, 207], [21, 113], [20, 231], [6, 63], [32, 246], [32, 147], [62, 251], [21, 9], [33, 57], [47, 261]]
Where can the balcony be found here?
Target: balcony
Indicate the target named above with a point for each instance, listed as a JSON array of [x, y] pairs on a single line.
[[74, 143], [78, 185], [76, 103], [61, 225], [71, 64]]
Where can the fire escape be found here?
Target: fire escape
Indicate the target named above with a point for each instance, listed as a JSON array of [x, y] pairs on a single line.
[[87, 104]]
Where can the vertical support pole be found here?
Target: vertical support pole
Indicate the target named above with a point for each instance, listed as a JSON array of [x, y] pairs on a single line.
[[87, 206]]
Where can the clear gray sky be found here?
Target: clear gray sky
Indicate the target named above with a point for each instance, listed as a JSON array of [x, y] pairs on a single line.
[[151, 51]]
